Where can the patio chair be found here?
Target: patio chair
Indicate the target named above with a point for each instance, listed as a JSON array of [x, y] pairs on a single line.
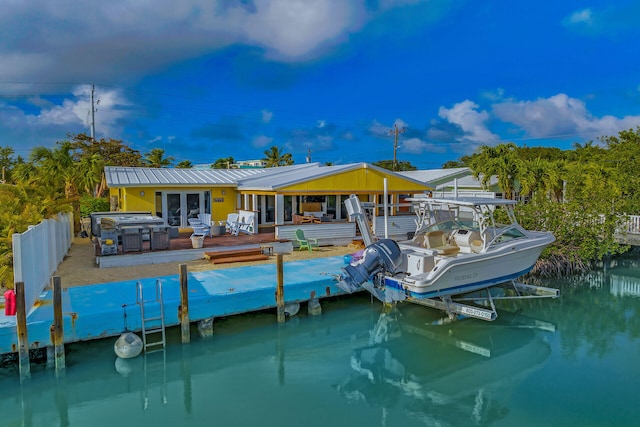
[[232, 220], [205, 218], [304, 242], [199, 229]]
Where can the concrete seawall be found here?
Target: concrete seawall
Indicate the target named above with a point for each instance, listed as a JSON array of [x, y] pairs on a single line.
[[108, 309]]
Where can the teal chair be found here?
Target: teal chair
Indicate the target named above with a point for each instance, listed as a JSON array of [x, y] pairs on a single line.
[[304, 242]]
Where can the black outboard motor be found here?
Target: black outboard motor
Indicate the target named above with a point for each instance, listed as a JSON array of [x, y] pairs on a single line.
[[381, 255]]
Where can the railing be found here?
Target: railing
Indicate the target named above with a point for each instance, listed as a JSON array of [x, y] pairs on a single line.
[[37, 253], [327, 233], [633, 224]]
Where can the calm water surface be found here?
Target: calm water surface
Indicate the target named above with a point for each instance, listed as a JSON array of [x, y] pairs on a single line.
[[574, 361]]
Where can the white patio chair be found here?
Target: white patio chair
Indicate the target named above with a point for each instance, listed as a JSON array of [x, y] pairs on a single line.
[[199, 229], [205, 218]]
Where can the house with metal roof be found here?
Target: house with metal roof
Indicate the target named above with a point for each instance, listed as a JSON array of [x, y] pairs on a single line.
[[296, 195]]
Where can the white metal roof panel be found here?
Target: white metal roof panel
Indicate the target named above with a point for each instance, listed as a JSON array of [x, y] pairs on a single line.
[[118, 176]]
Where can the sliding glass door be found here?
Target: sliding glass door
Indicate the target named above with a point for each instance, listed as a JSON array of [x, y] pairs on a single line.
[[178, 207]]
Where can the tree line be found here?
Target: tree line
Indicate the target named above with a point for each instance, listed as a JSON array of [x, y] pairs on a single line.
[[581, 194]]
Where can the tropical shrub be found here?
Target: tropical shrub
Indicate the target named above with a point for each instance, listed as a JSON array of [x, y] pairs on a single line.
[[89, 204]]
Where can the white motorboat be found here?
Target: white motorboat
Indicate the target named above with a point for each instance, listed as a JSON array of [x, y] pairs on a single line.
[[459, 248]]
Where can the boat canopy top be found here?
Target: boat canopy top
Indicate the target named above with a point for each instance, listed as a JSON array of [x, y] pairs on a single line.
[[461, 201]]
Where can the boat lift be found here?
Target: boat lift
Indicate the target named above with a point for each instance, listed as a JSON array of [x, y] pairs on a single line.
[[454, 305]]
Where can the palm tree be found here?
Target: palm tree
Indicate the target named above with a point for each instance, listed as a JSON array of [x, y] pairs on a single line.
[[155, 158], [111, 152], [274, 157], [184, 164], [540, 177], [57, 170], [503, 162], [223, 163]]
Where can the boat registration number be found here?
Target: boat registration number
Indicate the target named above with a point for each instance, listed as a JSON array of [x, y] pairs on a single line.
[[482, 314]]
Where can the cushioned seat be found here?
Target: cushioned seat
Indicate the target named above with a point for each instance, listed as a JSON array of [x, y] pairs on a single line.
[[437, 242]]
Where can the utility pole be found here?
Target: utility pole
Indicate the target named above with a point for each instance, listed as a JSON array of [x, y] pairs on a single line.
[[308, 155], [93, 115], [396, 131]]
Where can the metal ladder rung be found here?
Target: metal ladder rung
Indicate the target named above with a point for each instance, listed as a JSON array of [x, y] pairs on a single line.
[[151, 319]]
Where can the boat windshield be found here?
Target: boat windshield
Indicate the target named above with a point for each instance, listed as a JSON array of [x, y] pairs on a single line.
[[450, 225], [504, 234]]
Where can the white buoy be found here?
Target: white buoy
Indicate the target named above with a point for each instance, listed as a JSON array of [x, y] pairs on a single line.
[[128, 345], [291, 309]]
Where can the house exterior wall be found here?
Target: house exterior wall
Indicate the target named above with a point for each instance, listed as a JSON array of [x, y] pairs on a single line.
[[366, 181], [223, 199]]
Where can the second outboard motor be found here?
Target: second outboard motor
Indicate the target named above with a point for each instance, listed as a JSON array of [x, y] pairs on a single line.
[[381, 255]]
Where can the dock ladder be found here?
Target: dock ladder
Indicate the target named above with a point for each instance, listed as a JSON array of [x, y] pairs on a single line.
[[150, 325]]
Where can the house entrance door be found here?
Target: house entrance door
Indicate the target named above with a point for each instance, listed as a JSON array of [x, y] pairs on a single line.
[[182, 206]]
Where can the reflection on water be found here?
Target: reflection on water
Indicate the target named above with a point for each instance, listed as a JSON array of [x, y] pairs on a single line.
[[570, 361], [454, 374]]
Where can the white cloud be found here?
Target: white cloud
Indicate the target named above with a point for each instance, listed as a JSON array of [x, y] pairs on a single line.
[[584, 16], [418, 146], [611, 20], [291, 28], [53, 122], [261, 141], [560, 115], [472, 122], [379, 129], [267, 116], [68, 40]]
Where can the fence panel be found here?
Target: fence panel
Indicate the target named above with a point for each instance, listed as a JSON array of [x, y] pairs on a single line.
[[633, 224], [37, 253]]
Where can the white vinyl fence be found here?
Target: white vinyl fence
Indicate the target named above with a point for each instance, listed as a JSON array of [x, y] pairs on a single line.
[[37, 253]]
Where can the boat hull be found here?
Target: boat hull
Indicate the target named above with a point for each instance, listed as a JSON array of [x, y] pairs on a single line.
[[462, 274]]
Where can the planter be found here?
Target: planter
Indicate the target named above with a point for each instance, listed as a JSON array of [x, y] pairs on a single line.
[[197, 242], [218, 230]]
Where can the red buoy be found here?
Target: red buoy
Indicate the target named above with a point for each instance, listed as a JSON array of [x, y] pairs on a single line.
[[10, 303]]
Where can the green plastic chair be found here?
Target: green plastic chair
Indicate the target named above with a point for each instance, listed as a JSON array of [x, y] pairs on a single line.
[[304, 242]]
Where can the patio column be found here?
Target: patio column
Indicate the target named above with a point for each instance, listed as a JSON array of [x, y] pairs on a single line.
[[279, 207]]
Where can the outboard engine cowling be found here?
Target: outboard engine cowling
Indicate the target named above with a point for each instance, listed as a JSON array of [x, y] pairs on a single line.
[[383, 255]]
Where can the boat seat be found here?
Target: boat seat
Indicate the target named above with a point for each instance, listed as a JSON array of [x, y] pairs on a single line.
[[446, 250], [437, 241], [476, 246]]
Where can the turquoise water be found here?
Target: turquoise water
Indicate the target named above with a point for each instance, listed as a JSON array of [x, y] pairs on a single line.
[[565, 362]]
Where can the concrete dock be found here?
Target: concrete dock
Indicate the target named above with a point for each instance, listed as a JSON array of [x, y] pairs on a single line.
[[108, 309]]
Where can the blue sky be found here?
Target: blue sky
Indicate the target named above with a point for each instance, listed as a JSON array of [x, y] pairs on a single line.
[[205, 79]]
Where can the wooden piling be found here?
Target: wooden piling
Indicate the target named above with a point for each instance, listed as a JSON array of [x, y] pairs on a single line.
[[21, 328], [280, 288], [184, 305], [58, 327]]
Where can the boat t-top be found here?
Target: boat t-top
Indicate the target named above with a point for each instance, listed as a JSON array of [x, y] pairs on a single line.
[[461, 246]]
